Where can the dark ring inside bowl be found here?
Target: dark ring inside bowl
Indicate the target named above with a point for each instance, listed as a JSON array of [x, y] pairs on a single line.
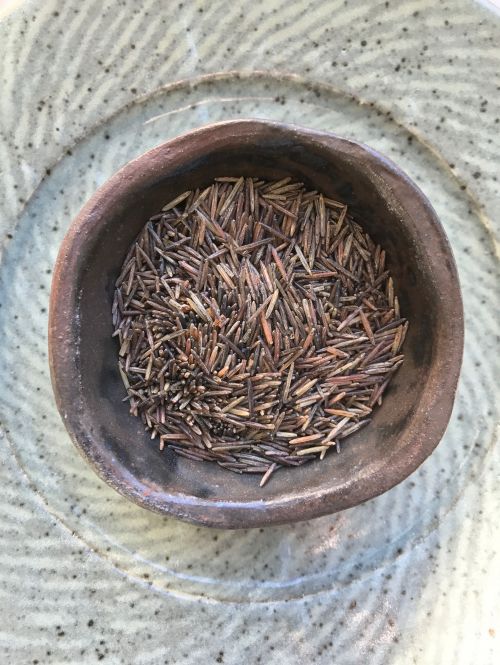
[[83, 356]]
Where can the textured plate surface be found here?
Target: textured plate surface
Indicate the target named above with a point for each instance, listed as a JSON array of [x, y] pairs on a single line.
[[406, 578]]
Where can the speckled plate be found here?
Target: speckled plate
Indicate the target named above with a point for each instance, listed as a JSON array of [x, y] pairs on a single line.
[[410, 577]]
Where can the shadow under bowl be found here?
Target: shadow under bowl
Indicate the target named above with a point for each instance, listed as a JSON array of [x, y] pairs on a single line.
[[83, 356]]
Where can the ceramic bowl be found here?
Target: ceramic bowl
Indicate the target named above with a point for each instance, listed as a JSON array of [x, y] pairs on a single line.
[[83, 356]]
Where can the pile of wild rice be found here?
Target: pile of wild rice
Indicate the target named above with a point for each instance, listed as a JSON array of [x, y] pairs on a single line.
[[257, 325]]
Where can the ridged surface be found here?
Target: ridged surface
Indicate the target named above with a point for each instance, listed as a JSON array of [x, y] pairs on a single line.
[[410, 577]]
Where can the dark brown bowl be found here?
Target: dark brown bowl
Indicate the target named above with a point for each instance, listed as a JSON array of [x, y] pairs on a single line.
[[83, 356]]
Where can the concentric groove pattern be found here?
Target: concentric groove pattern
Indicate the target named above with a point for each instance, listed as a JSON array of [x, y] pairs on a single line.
[[290, 562], [407, 578], [414, 78]]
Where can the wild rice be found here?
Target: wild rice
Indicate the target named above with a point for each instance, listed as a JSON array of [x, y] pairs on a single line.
[[257, 325]]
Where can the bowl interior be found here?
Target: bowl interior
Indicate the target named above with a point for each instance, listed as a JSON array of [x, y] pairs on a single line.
[[117, 438]]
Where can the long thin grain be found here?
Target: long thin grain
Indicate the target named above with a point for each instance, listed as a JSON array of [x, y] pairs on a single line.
[[257, 325]]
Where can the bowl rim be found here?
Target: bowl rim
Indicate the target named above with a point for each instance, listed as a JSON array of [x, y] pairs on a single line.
[[435, 406]]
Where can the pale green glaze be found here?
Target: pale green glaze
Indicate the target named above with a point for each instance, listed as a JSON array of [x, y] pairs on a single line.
[[410, 577]]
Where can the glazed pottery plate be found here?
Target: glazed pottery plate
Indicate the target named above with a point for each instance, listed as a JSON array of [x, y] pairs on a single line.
[[409, 577]]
